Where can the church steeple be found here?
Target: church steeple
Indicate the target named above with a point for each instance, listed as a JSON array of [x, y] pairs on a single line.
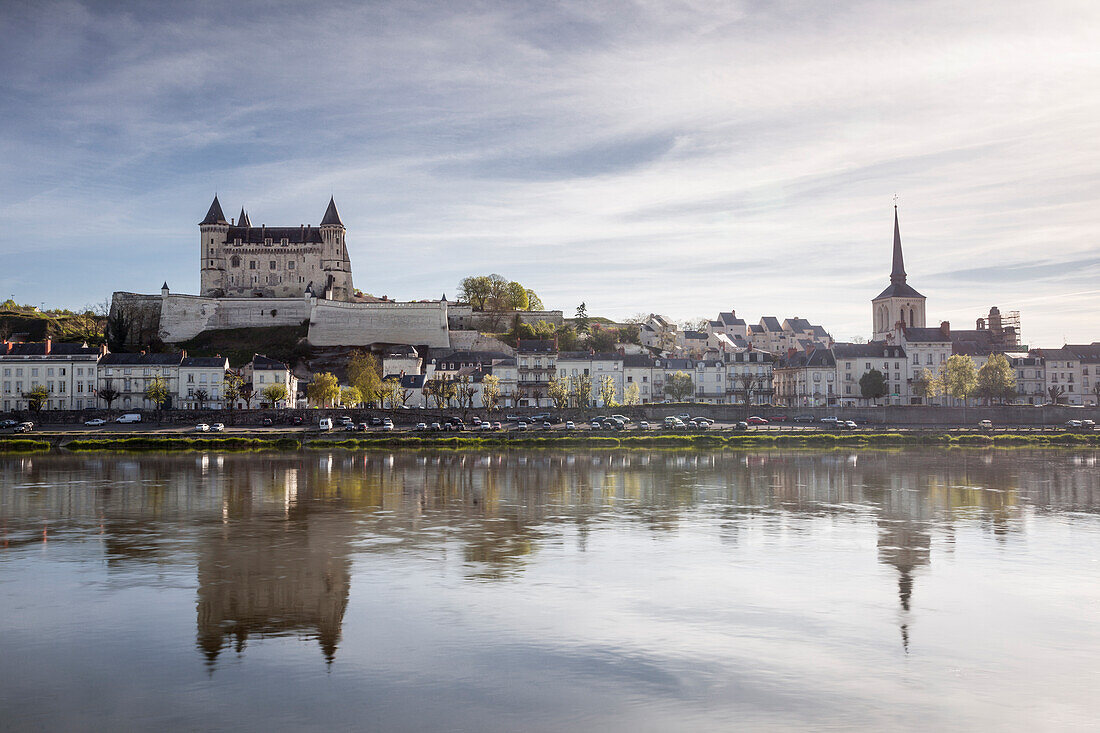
[[897, 274], [243, 220], [214, 215]]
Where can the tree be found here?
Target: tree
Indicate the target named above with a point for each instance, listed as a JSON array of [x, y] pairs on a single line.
[[273, 394], [324, 389], [996, 379], [581, 318], [247, 393], [558, 391], [350, 397], [679, 386], [119, 323], [631, 333], [201, 396], [475, 291], [108, 394], [602, 339], [534, 302], [746, 385], [695, 324], [365, 374], [580, 386], [232, 383], [490, 391], [567, 338], [516, 296], [157, 392], [442, 391], [464, 393], [631, 397], [36, 398], [872, 385], [927, 384], [1096, 391], [1055, 392], [607, 391], [390, 392], [958, 376]]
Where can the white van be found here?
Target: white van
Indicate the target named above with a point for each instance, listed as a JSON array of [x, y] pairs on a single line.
[[129, 417], [325, 424]]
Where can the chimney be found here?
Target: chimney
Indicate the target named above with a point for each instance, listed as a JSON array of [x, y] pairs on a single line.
[[945, 329], [49, 344], [183, 353], [791, 351]]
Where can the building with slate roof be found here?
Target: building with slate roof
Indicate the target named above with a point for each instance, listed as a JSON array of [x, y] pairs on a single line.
[[67, 371], [899, 302], [243, 260]]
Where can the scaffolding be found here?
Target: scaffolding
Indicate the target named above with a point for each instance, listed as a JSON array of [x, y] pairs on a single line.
[[1003, 327]]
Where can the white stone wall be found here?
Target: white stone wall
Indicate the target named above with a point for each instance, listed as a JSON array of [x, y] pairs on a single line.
[[335, 323], [185, 316]]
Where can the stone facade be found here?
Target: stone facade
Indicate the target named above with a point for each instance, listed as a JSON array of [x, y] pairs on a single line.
[[241, 260]]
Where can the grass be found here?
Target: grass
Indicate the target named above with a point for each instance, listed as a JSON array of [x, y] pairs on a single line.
[[23, 445], [283, 343], [155, 442]]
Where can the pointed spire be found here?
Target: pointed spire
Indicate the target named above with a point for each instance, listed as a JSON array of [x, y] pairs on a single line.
[[897, 274], [164, 286], [332, 216], [214, 215], [243, 220]]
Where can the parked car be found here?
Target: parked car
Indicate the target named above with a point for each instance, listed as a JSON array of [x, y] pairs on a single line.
[[296, 421], [217, 428], [24, 427], [267, 422], [1088, 423], [486, 425], [202, 428], [847, 424], [512, 418], [387, 426], [376, 421], [129, 417], [985, 424], [421, 426], [804, 418], [94, 422], [345, 420], [8, 424], [756, 420], [777, 418], [546, 425], [476, 420], [643, 425], [521, 425], [830, 420], [497, 426], [325, 423], [570, 425], [362, 427], [1074, 424], [742, 425], [349, 427]]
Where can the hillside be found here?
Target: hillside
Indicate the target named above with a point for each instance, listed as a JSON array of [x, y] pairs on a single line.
[[285, 343], [39, 326]]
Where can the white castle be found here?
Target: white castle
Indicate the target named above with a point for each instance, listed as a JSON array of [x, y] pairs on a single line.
[[241, 260]]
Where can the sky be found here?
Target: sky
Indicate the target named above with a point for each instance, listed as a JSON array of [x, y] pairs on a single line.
[[683, 158]]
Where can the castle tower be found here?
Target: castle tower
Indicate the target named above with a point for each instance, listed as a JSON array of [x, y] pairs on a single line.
[[335, 263], [899, 302], [212, 233]]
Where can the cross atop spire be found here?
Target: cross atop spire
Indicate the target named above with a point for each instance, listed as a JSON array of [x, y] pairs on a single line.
[[897, 274], [332, 216]]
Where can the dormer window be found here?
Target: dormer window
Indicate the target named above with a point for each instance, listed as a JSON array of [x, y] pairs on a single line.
[[267, 241], [284, 242]]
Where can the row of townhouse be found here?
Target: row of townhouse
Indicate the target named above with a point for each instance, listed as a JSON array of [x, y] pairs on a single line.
[[729, 333], [721, 380], [825, 377], [79, 377]]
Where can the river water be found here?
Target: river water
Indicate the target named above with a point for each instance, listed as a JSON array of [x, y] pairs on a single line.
[[551, 591]]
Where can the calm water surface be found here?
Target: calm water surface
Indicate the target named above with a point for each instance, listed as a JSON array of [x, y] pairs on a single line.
[[917, 590]]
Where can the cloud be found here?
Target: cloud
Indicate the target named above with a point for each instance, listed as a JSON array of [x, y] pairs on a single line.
[[675, 156]]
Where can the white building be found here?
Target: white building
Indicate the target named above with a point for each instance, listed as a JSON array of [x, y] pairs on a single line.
[[262, 372], [67, 371], [202, 382], [129, 375]]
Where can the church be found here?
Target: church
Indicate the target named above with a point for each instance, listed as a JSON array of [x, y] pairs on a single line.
[[239, 260]]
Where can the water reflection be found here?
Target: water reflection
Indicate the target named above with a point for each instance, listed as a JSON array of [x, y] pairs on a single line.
[[272, 538]]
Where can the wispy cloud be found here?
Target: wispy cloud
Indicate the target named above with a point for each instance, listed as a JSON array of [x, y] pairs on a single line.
[[670, 156]]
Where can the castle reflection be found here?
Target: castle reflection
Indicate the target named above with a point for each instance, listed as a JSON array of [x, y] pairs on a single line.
[[274, 536]]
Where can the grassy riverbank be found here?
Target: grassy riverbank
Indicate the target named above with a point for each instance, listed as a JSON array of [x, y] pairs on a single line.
[[697, 441]]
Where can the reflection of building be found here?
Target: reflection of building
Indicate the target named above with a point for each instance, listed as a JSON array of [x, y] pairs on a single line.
[[272, 575], [905, 542]]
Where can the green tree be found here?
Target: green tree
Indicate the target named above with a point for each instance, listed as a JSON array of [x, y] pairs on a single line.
[[232, 384], [534, 302], [602, 339], [490, 392], [927, 384], [350, 397], [36, 398], [581, 318], [632, 395], [679, 386], [958, 376], [475, 290], [567, 338], [580, 387], [390, 392], [996, 380], [464, 393], [365, 374], [324, 389], [558, 390], [273, 394], [631, 333], [872, 385], [516, 296], [607, 391], [157, 392]]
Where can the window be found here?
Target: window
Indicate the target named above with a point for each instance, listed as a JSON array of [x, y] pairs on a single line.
[[290, 265], [252, 264], [235, 261], [272, 264], [49, 372]]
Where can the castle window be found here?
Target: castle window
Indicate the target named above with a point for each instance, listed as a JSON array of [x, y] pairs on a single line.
[[252, 264], [284, 242], [272, 264], [236, 261], [267, 241], [290, 265]]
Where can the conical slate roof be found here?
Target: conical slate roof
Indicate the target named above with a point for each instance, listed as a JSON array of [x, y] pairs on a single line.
[[332, 216], [898, 288], [243, 220], [214, 215]]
